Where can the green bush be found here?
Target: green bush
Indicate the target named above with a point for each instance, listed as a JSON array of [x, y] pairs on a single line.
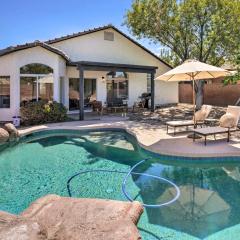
[[33, 113]]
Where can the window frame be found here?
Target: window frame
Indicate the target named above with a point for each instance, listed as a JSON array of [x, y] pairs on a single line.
[[149, 87], [38, 81], [115, 78], [8, 77]]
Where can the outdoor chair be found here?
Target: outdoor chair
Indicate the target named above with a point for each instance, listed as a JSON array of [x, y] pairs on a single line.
[[200, 117], [228, 124], [138, 106], [97, 107]]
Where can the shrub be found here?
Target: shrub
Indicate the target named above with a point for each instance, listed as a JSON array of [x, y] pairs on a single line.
[[33, 113]]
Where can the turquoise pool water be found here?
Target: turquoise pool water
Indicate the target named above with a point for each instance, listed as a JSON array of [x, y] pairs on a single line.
[[42, 163]]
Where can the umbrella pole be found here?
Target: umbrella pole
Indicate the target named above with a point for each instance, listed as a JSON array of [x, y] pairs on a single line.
[[194, 101], [194, 108]]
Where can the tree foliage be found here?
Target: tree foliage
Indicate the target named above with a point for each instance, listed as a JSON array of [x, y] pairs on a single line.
[[233, 79], [206, 30]]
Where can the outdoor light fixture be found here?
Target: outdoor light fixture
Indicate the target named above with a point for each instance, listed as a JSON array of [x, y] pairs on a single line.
[[103, 79]]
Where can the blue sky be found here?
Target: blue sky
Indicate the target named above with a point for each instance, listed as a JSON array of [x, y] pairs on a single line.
[[24, 21]]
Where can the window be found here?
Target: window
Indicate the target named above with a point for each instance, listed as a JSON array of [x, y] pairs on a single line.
[[4, 91], [109, 36], [35, 68], [28, 89], [36, 83]]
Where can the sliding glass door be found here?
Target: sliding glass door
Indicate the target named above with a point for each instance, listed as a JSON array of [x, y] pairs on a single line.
[[89, 92], [117, 87]]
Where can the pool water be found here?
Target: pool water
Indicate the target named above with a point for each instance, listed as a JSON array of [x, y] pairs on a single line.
[[42, 163]]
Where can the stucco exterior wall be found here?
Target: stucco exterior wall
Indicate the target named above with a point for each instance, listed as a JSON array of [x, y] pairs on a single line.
[[7, 68], [166, 92], [10, 65], [93, 47], [90, 47]]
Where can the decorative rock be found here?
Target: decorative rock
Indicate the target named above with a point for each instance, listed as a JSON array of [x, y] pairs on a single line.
[[13, 132], [4, 135], [71, 218], [14, 227]]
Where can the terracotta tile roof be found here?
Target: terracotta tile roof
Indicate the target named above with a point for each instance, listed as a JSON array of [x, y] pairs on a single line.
[[31, 45], [47, 43]]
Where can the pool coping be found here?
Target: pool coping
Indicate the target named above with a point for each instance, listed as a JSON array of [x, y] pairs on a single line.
[[126, 126]]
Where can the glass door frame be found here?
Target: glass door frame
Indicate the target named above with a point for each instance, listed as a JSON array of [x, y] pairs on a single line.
[[77, 79], [117, 97]]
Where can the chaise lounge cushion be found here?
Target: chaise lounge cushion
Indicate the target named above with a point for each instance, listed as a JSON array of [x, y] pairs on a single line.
[[180, 123], [227, 120], [203, 113], [200, 115]]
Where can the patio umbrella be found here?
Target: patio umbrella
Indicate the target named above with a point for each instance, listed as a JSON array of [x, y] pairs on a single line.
[[192, 70]]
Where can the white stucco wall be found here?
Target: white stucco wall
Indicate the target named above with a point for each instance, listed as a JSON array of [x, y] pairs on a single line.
[[10, 65], [166, 92], [7, 68], [137, 85], [93, 47], [90, 47]]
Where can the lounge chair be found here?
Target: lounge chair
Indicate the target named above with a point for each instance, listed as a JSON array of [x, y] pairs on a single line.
[[228, 124], [200, 117]]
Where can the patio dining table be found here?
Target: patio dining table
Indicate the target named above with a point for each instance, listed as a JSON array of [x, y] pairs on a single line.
[[116, 108]]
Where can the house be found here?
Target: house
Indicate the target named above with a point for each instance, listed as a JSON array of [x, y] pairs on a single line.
[[103, 64]]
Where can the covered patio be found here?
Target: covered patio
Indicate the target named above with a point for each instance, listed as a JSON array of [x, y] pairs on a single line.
[[83, 66]]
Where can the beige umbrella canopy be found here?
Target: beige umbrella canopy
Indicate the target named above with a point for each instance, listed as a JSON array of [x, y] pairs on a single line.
[[197, 211], [192, 70], [195, 203]]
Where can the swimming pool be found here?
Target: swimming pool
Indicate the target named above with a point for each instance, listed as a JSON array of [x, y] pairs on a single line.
[[42, 163]]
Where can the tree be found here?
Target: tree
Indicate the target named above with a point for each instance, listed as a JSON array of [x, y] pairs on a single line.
[[206, 30], [233, 79]]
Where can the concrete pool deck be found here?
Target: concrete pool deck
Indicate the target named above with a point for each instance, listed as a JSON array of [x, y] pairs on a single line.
[[154, 137]]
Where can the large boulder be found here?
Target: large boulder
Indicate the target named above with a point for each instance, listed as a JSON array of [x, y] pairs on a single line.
[[13, 227], [4, 135], [85, 219], [11, 129]]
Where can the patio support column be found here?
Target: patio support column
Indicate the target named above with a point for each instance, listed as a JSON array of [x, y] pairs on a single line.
[[152, 91], [81, 92]]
